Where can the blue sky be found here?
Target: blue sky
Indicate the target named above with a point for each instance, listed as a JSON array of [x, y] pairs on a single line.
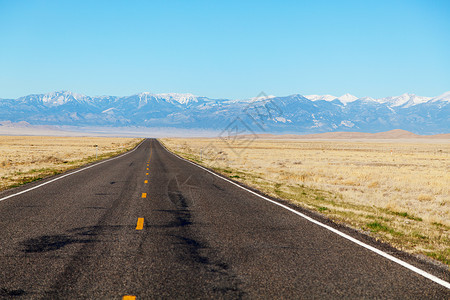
[[226, 49]]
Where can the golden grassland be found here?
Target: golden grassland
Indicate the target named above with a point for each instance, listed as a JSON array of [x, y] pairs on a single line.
[[25, 159], [398, 192]]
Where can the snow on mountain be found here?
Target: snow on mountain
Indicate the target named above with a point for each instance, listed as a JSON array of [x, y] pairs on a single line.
[[173, 98], [347, 98], [320, 97], [404, 100], [56, 98], [366, 99], [261, 98], [347, 123], [109, 110], [180, 98], [344, 99], [59, 98], [445, 97]]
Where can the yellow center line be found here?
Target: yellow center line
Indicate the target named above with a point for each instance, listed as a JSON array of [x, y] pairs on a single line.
[[151, 151], [147, 169], [144, 195], [140, 224], [146, 181], [146, 173], [128, 297]]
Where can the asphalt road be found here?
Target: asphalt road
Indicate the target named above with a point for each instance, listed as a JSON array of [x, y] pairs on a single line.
[[201, 237]]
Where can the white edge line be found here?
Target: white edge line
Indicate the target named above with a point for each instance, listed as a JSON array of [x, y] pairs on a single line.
[[371, 248], [65, 175]]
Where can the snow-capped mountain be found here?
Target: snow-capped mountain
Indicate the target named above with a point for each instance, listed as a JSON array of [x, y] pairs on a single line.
[[347, 98], [320, 97], [445, 97], [405, 100], [290, 114], [184, 99], [344, 99], [55, 98]]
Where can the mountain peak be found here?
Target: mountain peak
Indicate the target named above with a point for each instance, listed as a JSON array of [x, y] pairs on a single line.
[[404, 100], [444, 97], [61, 97], [66, 93], [346, 98], [144, 94], [367, 99]]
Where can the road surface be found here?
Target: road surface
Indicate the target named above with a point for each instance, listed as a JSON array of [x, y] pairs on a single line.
[[151, 225]]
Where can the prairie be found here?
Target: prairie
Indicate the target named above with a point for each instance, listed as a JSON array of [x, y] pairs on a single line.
[[28, 158], [396, 191]]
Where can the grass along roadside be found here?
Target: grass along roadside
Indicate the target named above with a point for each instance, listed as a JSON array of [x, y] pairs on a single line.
[[398, 199], [25, 159]]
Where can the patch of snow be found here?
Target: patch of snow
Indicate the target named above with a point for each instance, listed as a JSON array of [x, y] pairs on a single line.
[[61, 97], [347, 124], [144, 97], [281, 119], [369, 99], [320, 97], [180, 98], [109, 110], [444, 97], [391, 109], [347, 98], [404, 100], [262, 98], [317, 124]]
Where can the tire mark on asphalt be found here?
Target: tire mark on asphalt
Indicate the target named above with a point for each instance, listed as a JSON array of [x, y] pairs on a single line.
[[192, 250]]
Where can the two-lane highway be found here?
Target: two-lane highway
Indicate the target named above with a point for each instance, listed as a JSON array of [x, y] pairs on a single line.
[[151, 225]]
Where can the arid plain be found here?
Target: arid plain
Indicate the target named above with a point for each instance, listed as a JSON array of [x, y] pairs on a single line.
[[397, 191], [25, 159]]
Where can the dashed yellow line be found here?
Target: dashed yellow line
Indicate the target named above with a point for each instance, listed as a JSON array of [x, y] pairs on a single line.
[[144, 195], [147, 169], [128, 297], [146, 181], [151, 152], [140, 224], [146, 173]]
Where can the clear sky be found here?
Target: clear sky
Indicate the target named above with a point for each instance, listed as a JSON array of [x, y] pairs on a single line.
[[226, 49]]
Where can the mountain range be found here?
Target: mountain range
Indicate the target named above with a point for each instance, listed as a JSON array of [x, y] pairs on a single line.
[[269, 114]]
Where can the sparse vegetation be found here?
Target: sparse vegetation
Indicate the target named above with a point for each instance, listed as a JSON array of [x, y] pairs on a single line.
[[25, 159], [376, 226], [401, 197]]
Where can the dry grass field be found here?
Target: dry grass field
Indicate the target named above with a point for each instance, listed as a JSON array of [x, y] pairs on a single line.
[[396, 191], [28, 158]]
